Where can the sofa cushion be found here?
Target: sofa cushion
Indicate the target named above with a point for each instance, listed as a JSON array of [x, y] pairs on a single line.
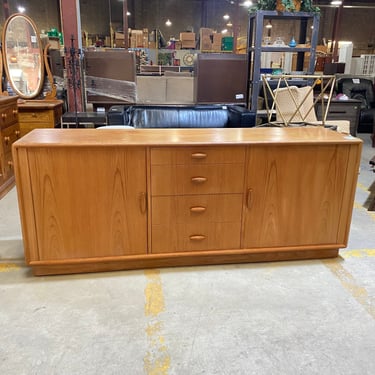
[[154, 117], [203, 118]]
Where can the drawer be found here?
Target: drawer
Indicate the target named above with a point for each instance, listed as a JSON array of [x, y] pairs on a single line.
[[9, 115], [197, 179], [197, 155], [26, 127], [7, 167], [210, 222], [36, 116], [10, 135], [201, 209]]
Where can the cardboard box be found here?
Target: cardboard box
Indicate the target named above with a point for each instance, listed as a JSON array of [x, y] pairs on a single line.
[[216, 44], [188, 44], [187, 37]]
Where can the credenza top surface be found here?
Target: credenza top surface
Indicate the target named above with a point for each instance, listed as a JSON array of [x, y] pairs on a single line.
[[181, 137]]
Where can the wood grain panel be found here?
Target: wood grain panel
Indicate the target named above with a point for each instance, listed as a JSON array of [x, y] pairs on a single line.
[[197, 179], [92, 206], [296, 195]]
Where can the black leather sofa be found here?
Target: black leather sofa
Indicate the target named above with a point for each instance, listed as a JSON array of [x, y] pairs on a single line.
[[168, 116]]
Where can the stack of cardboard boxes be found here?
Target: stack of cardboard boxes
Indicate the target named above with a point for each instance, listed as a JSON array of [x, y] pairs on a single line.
[[210, 41], [187, 40], [137, 39]]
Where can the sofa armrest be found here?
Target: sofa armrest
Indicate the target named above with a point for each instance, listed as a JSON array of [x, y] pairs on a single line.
[[241, 117]]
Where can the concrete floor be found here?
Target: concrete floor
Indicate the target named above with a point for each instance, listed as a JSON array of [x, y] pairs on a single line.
[[305, 317]]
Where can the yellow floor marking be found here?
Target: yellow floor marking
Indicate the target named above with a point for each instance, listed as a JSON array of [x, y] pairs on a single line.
[[157, 360], [8, 267], [362, 187], [360, 253], [349, 283]]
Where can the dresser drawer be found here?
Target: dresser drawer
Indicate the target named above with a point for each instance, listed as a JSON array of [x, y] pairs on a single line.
[[10, 135], [9, 115], [196, 223], [7, 167], [197, 209], [197, 179], [197, 155], [36, 116]]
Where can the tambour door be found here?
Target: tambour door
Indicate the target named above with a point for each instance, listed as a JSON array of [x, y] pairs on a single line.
[[295, 195], [88, 201]]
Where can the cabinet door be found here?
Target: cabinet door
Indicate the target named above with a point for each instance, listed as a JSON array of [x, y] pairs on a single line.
[[294, 195], [89, 202]]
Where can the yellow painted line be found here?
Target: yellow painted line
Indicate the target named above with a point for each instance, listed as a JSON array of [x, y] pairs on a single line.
[[157, 360], [362, 187], [8, 267], [349, 283], [360, 253]]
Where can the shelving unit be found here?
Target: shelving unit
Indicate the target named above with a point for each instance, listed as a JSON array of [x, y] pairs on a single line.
[[256, 48]]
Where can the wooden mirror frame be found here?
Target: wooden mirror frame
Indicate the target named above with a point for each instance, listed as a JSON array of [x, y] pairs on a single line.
[[38, 52]]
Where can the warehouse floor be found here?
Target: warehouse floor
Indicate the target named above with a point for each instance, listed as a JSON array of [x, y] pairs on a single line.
[[301, 317]]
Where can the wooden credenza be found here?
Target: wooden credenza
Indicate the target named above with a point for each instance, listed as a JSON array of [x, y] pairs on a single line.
[[9, 133], [98, 200], [35, 114]]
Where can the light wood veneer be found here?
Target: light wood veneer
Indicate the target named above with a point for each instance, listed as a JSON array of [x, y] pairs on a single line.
[[123, 199]]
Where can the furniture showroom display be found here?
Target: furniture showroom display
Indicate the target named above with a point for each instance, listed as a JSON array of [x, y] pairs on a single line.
[[99, 200], [9, 133]]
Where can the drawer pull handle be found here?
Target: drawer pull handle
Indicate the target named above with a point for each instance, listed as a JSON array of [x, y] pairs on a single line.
[[198, 155], [6, 140], [15, 111], [197, 237], [249, 198], [199, 180], [17, 133], [33, 114], [143, 202], [198, 209], [4, 116], [10, 164]]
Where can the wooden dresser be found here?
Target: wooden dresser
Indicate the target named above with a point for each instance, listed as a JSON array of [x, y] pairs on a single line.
[[9, 133], [35, 114], [99, 200]]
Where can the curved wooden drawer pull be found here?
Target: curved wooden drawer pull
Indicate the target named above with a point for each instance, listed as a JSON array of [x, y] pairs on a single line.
[[33, 114], [197, 237], [198, 155], [199, 180], [4, 115], [15, 111], [198, 209], [6, 140]]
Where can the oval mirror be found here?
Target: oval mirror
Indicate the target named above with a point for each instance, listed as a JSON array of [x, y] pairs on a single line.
[[23, 56]]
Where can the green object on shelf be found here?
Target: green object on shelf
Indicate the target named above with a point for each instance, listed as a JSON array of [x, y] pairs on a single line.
[[227, 43]]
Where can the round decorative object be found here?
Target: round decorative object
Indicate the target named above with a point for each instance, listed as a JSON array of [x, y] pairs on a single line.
[[188, 59]]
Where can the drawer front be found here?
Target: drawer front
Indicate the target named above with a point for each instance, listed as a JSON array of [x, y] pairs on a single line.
[[193, 223], [197, 155], [7, 167], [26, 127], [36, 116], [8, 116], [10, 135], [197, 179]]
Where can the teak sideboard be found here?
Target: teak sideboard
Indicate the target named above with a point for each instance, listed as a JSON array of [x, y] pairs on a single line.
[[99, 200]]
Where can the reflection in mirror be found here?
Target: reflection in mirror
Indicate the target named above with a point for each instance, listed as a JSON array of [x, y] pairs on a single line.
[[23, 56]]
